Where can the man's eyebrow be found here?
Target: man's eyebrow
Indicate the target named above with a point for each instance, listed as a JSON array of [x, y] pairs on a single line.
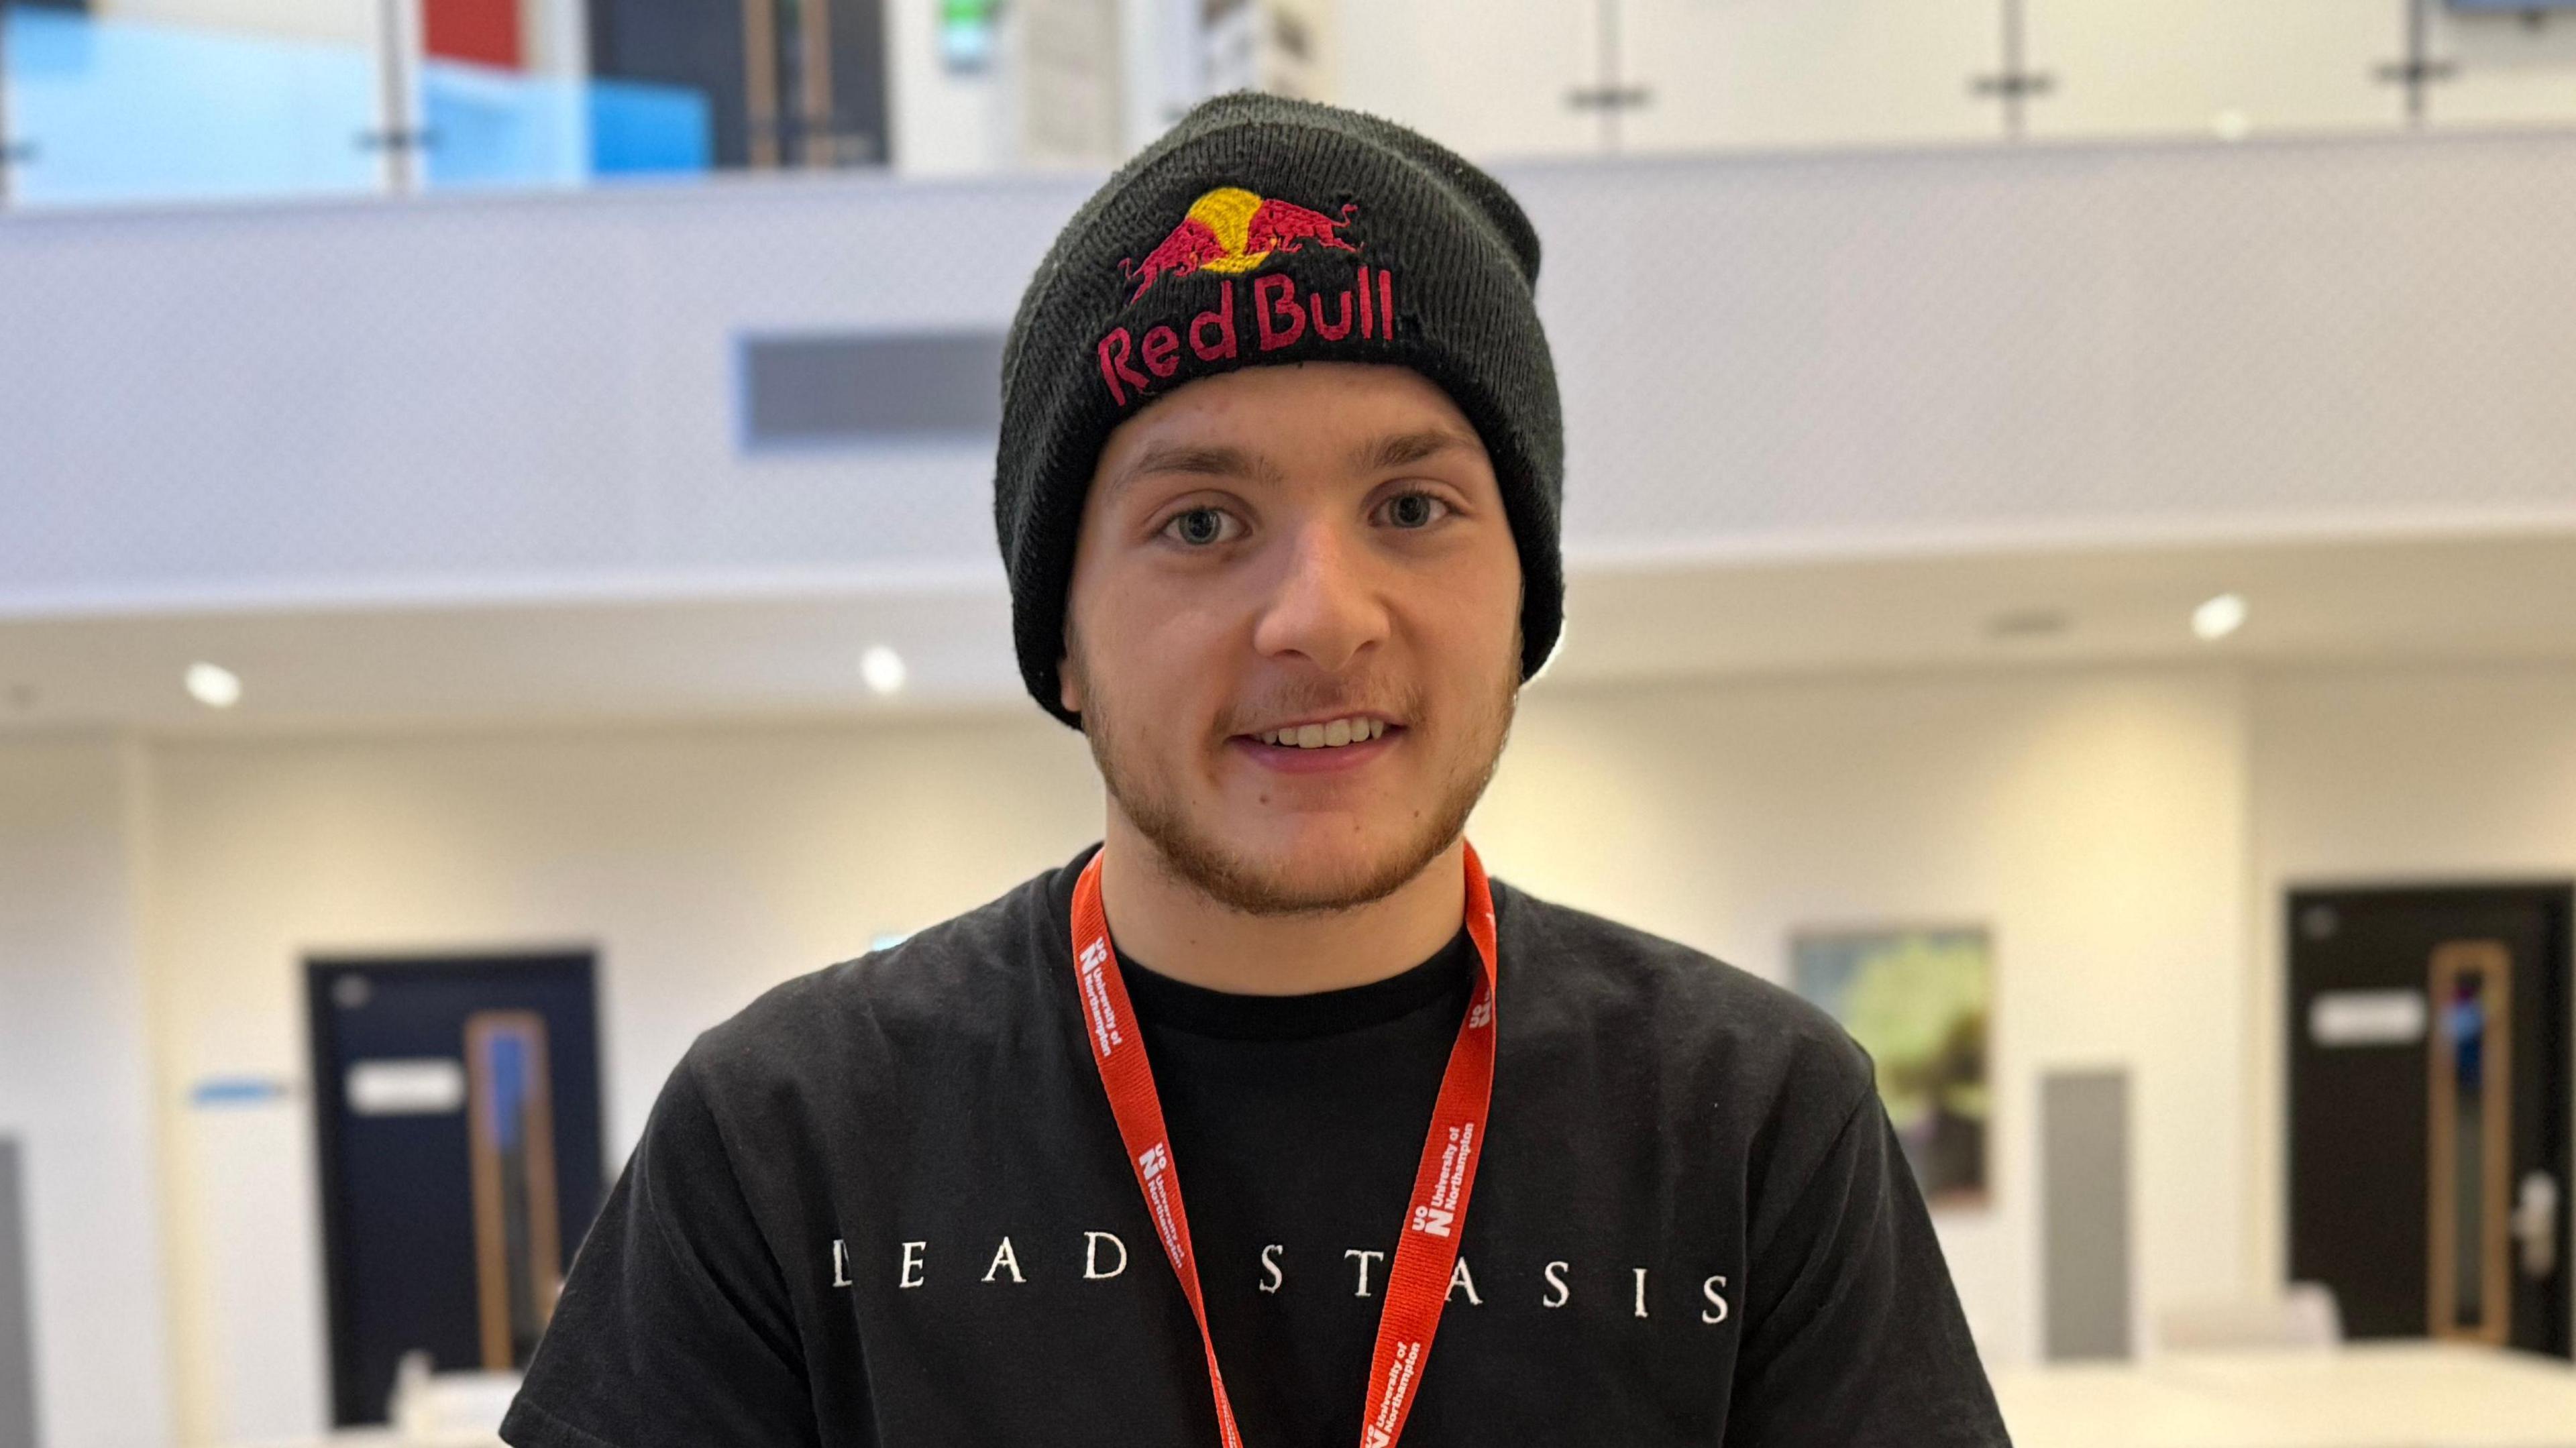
[[1403, 449], [1190, 459]]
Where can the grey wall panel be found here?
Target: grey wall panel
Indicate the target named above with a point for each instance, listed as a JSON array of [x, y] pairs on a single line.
[[2084, 1255], [17, 1322], [827, 388]]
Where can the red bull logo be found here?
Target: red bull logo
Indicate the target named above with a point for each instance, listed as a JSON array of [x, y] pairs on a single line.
[[1230, 231]]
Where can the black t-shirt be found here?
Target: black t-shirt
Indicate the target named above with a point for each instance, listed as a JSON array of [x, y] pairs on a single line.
[[886, 1205]]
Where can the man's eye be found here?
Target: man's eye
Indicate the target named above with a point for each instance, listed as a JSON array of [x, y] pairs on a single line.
[[1414, 510], [1198, 527]]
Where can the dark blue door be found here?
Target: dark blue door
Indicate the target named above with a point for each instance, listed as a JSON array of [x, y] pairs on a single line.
[[457, 1102]]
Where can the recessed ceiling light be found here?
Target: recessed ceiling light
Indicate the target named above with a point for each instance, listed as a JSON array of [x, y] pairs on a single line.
[[2219, 617], [2230, 125], [213, 685], [883, 668]]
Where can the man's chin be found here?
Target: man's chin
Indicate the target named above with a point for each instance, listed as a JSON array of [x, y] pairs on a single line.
[[1312, 867]]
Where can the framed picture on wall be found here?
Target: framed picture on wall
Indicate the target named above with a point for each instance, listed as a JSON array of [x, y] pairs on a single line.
[[1918, 999]]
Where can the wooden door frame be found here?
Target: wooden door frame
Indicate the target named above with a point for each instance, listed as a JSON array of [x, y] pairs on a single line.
[[2451, 961]]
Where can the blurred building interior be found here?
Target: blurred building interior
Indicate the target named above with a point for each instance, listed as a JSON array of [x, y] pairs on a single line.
[[496, 570]]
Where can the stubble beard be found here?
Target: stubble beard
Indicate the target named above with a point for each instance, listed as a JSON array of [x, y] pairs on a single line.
[[1195, 858]]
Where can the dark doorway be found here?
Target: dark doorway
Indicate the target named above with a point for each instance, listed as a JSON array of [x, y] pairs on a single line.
[[457, 1102], [2428, 1053]]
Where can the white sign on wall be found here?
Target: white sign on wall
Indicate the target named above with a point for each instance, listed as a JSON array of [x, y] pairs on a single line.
[[407, 1086]]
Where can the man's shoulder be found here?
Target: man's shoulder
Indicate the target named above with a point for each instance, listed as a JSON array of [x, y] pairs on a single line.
[[1595, 976]]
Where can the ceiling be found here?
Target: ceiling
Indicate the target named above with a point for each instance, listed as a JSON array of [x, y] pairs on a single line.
[[795, 653]]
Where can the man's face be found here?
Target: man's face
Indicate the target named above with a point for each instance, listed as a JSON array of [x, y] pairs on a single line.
[[1286, 546]]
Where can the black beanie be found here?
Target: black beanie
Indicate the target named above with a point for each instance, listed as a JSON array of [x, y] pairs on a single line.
[[1258, 230]]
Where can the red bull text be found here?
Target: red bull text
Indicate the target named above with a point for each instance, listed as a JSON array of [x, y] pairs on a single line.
[[1280, 318]]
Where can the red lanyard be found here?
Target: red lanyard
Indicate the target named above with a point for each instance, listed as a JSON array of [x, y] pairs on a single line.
[[1418, 1287]]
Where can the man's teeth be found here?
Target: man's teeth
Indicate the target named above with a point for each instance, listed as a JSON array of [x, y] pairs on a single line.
[[1326, 736]]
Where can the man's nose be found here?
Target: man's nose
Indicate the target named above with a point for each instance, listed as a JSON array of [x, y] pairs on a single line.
[[1326, 601]]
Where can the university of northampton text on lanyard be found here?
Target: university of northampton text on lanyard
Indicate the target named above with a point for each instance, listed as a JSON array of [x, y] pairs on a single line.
[[1418, 1285]]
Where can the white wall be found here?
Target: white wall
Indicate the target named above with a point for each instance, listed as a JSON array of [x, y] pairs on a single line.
[[74, 1089]]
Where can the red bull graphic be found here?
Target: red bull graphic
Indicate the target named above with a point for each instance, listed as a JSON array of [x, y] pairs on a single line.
[[1230, 231]]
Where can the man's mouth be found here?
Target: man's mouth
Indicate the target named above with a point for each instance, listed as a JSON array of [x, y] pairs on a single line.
[[1330, 734]]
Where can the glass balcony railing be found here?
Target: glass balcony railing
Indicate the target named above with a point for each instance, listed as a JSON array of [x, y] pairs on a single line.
[[104, 110], [100, 110]]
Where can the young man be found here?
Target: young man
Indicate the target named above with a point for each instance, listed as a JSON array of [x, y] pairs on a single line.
[[1271, 1119]]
